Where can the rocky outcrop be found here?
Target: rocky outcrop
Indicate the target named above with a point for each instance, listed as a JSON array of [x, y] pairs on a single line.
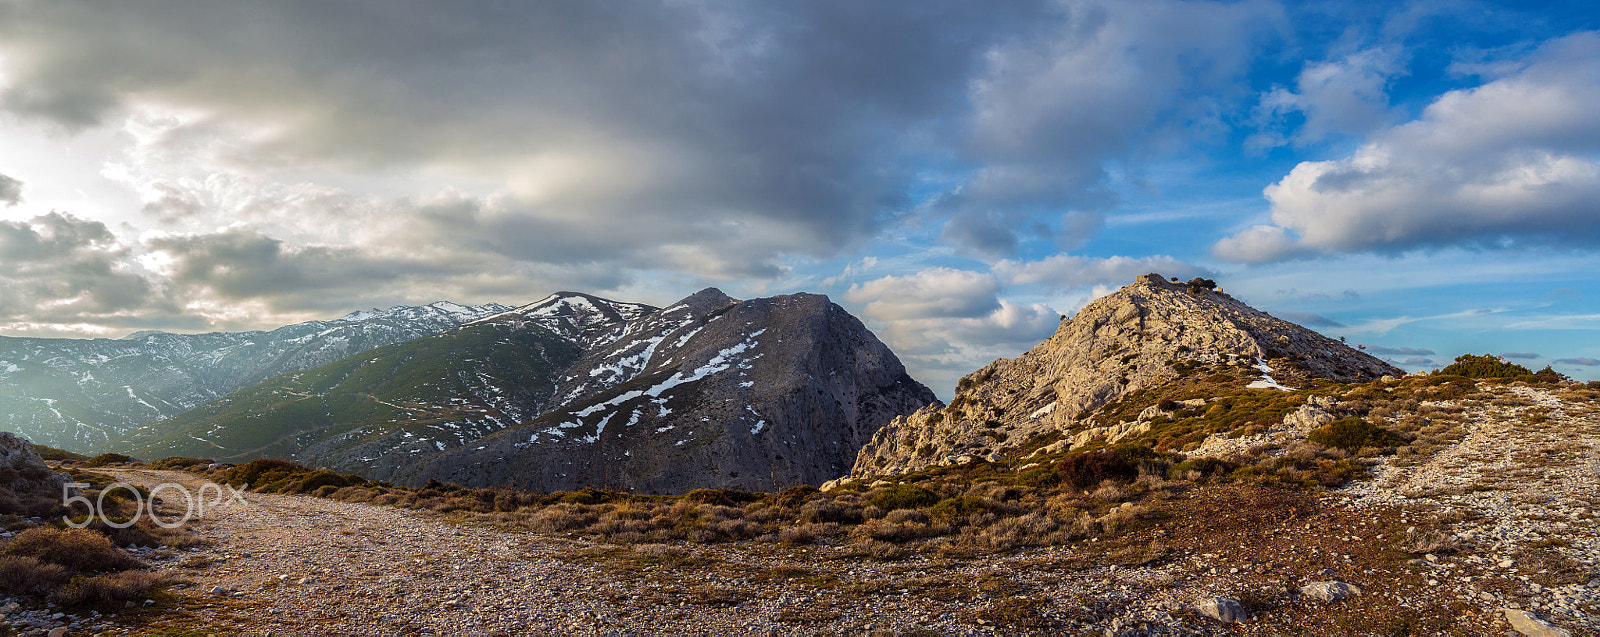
[[1116, 345], [27, 485]]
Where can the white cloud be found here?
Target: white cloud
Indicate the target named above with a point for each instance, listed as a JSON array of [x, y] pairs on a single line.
[[935, 292], [1098, 85], [1512, 160], [1343, 96]]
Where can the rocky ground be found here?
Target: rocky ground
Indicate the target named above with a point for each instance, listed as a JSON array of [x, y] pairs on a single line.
[[1497, 524]]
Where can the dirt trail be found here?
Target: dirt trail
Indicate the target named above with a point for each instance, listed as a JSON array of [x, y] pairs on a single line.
[[295, 563]]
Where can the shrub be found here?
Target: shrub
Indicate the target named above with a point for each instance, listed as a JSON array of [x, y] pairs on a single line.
[[180, 463], [904, 496], [586, 496], [74, 549], [52, 453], [1090, 468], [818, 511], [316, 480], [23, 575], [112, 588], [960, 507], [263, 472], [722, 497], [1353, 434], [1200, 467], [106, 459], [1485, 366]]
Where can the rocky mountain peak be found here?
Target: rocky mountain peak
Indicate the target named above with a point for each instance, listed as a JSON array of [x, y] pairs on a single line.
[[1118, 344]]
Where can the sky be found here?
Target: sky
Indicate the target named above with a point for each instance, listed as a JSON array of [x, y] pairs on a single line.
[[1420, 178]]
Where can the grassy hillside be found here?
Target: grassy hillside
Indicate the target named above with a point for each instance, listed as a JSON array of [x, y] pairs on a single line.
[[422, 390]]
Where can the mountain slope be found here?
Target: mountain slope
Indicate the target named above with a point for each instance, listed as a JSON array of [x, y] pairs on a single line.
[[1134, 338], [576, 391], [80, 393], [757, 394]]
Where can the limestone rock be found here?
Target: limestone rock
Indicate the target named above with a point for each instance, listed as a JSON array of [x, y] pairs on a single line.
[[1222, 609], [1529, 624], [27, 485], [1329, 591], [1118, 344]]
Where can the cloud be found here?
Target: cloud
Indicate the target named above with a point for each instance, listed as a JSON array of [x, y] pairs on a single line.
[[1089, 87], [1584, 362], [1419, 360], [1063, 271], [931, 293], [938, 351], [1523, 355], [1399, 351], [1348, 95], [10, 191], [57, 268], [1508, 162], [1308, 319], [745, 133]]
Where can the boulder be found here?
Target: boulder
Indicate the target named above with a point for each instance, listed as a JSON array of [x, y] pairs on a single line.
[[27, 485], [1529, 624], [1222, 609], [1329, 591]]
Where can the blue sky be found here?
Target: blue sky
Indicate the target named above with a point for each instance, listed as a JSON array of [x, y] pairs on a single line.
[[1421, 178]]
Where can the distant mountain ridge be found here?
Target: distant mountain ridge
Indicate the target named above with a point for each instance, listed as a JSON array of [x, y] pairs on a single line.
[[79, 393], [575, 391]]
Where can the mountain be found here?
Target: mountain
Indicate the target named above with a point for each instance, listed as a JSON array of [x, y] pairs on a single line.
[[1141, 336], [576, 391], [80, 393]]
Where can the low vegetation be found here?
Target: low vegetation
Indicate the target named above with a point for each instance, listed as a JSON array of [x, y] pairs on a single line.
[[1098, 490], [85, 567]]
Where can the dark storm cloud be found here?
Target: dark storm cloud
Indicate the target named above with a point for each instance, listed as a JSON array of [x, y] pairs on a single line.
[[787, 126], [59, 268], [10, 191], [240, 264], [779, 128]]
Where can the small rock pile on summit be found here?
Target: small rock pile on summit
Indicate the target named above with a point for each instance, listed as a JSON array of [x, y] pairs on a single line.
[[1118, 344]]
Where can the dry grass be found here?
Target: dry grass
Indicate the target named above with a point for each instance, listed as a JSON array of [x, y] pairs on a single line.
[[77, 550]]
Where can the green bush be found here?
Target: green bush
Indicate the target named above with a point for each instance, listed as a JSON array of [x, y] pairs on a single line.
[[722, 497], [263, 473], [958, 508], [315, 480], [1090, 468], [107, 459], [1485, 366], [178, 463], [1353, 434], [52, 453], [795, 496], [904, 496], [1206, 467]]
